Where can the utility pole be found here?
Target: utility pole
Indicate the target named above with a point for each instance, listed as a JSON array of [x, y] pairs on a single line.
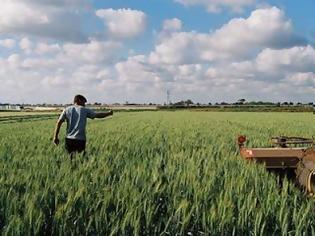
[[168, 95]]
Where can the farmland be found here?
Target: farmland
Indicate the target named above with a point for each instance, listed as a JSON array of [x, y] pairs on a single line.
[[151, 173]]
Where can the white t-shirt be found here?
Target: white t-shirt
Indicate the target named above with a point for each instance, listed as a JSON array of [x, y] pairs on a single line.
[[76, 116]]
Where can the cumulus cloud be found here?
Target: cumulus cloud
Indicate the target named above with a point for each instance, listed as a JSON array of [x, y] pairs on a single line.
[[92, 52], [123, 23], [269, 65], [136, 69], [172, 25], [268, 27], [180, 48], [69, 56], [104, 74], [277, 74], [26, 45], [169, 27], [14, 60], [57, 69], [218, 5], [302, 79], [300, 59], [264, 28], [44, 48], [75, 4], [7, 43], [253, 57], [51, 19]]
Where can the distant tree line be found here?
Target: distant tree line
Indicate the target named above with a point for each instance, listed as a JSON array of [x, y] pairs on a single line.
[[184, 103], [240, 102]]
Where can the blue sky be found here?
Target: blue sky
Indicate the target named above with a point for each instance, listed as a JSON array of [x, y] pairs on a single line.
[[117, 51]]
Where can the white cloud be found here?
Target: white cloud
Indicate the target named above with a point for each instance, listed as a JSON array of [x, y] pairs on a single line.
[[273, 74], [51, 19], [181, 48], [276, 75], [272, 65], [218, 5], [58, 69], [104, 74], [16, 13], [187, 73], [188, 70], [172, 25], [238, 39], [26, 45], [74, 4], [40, 64], [302, 79], [44, 48], [136, 69], [14, 61], [123, 23], [254, 58], [268, 27], [92, 52], [57, 81], [7, 43], [300, 59], [169, 27], [38, 78]]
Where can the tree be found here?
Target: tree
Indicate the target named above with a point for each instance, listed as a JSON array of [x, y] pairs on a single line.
[[241, 101], [189, 102]]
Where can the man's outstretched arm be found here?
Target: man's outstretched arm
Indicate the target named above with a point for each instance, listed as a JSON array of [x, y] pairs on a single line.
[[56, 133], [103, 114]]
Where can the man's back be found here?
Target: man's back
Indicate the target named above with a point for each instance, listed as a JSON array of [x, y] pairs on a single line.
[[76, 116]]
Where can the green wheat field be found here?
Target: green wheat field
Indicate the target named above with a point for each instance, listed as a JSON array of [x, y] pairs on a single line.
[[151, 173]]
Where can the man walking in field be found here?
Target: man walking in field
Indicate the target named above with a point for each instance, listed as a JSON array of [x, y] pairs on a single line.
[[76, 116]]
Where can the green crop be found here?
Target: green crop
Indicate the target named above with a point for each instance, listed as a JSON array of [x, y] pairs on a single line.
[[151, 173]]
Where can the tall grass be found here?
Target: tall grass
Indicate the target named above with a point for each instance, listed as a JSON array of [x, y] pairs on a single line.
[[151, 173]]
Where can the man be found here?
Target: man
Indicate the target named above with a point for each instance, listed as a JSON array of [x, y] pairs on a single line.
[[76, 116]]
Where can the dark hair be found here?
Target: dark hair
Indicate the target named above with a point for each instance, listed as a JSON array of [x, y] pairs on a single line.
[[79, 98]]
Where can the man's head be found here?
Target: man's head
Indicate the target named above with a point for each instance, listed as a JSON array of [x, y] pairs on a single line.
[[79, 100]]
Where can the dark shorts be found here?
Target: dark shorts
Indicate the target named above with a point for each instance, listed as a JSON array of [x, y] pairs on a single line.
[[74, 145]]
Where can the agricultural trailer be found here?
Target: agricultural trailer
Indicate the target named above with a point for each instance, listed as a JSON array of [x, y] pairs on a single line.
[[295, 155]]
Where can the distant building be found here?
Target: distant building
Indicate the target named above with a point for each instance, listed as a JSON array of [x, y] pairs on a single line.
[[39, 108], [8, 107]]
